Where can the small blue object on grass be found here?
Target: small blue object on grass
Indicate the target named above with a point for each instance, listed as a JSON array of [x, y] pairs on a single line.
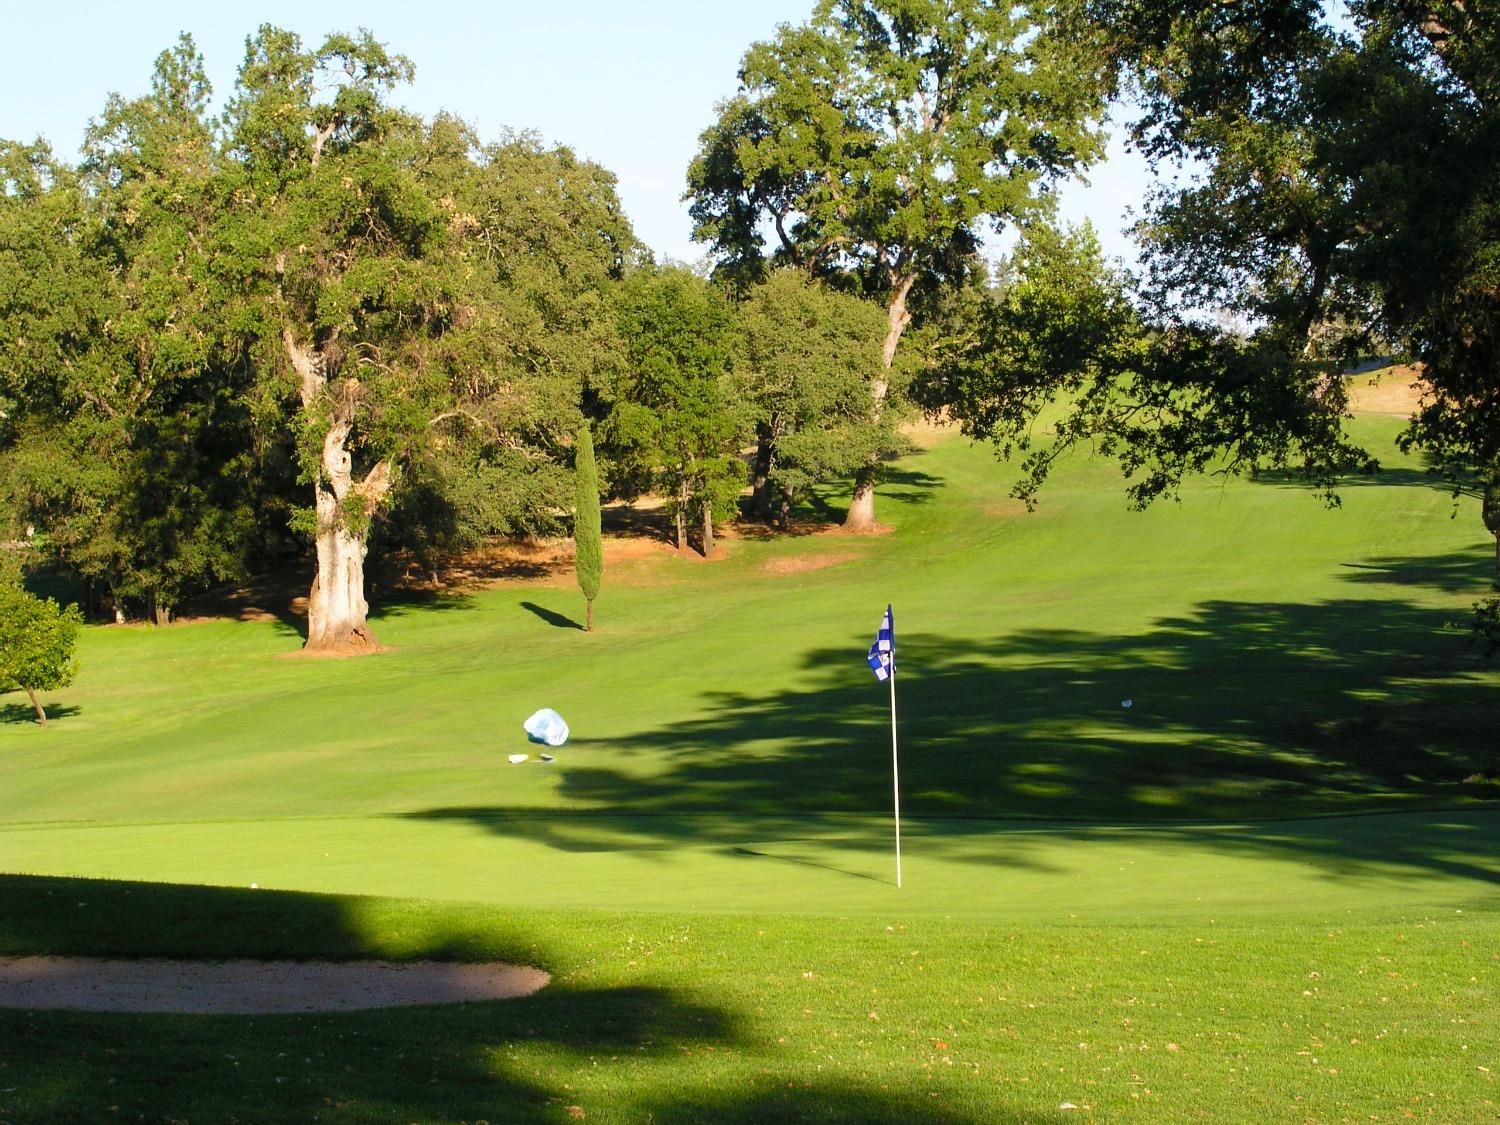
[[546, 727]]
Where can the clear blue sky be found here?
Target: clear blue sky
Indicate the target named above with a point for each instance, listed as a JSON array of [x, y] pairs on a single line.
[[627, 85]]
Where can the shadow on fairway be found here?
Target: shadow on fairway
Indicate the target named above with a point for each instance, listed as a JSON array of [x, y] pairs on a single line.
[[1454, 573], [1239, 711], [517, 1060], [799, 841], [551, 617], [1430, 473], [911, 486], [26, 713], [400, 603]]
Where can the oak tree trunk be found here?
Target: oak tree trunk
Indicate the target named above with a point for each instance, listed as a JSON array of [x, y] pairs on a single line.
[[760, 474], [861, 515], [336, 606], [708, 530]]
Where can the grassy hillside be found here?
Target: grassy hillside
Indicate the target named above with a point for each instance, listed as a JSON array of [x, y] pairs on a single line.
[[1261, 892], [1280, 659]]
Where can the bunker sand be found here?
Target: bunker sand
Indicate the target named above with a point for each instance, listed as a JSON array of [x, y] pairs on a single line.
[[253, 987]]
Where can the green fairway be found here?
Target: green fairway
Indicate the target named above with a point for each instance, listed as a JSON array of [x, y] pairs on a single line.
[[1263, 891]]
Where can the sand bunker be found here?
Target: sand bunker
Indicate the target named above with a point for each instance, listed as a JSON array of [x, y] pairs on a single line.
[[253, 987]]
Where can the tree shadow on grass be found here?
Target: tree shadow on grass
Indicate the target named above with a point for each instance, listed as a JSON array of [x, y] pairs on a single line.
[[1239, 711], [613, 1047], [15, 713], [551, 617], [403, 603], [1429, 474], [630, 522], [278, 594], [907, 486], [1454, 573]]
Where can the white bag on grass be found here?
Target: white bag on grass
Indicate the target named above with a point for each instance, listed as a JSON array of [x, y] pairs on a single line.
[[546, 727]]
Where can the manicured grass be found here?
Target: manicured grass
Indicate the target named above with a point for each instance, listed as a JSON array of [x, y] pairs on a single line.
[[998, 871], [747, 1018], [1099, 901], [1281, 659]]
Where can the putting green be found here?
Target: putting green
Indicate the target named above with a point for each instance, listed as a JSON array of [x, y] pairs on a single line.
[[818, 865]]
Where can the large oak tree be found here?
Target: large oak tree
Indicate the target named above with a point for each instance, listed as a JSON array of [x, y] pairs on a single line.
[[875, 143], [128, 440], [1335, 185], [422, 306]]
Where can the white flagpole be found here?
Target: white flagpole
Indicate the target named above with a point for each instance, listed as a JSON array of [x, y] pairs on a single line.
[[895, 771]]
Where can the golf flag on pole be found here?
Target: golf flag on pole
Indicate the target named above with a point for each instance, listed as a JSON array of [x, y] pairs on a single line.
[[883, 664], [883, 651]]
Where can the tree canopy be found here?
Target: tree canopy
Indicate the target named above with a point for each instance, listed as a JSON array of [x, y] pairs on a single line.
[[314, 315], [1332, 190], [875, 143], [807, 358], [676, 418], [37, 638]]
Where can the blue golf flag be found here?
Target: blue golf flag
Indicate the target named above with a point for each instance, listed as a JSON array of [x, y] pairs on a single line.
[[883, 651]]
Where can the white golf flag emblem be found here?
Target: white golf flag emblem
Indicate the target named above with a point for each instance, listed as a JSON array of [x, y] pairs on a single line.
[[883, 651]]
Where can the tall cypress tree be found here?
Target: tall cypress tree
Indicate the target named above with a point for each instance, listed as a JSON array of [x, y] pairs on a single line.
[[588, 544]]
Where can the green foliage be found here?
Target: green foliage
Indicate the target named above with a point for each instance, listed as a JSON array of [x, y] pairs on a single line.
[[875, 140], [128, 444], [678, 428], [1062, 330], [588, 541], [452, 301], [1489, 498], [1485, 624], [1340, 192], [37, 640], [807, 359]]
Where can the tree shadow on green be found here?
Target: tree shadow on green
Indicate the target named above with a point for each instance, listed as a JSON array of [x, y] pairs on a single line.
[[1237, 711], [519, 1060]]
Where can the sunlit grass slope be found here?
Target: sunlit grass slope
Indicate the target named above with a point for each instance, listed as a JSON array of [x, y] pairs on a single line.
[[1262, 892], [730, 749], [1279, 658]]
